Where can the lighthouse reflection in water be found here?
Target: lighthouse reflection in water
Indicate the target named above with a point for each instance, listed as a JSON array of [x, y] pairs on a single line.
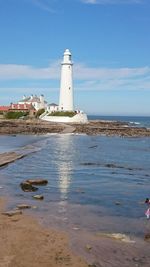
[[65, 168]]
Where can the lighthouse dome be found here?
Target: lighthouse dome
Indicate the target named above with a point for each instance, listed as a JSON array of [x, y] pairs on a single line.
[[67, 52]]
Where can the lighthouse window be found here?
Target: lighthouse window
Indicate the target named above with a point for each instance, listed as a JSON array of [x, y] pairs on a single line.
[[69, 88], [70, 58]]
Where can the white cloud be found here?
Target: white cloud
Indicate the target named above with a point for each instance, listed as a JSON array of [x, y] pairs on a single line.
[[85, 77], [13, 71], [83, 72]]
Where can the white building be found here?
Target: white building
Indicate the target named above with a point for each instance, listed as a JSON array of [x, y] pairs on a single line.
[[37, 102], [52, 107]]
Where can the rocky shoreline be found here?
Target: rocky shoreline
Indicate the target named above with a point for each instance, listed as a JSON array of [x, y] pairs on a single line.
[[108, 128]]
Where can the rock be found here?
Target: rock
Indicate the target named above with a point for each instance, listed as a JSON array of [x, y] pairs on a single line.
[[38, 197], [88, 247], [147, 237], [12, 213], [117, 203], [23, 206], [14, 219], [27, 187], [117, 236], [37, 181], [76, 228], [110, 165], [79, 190]]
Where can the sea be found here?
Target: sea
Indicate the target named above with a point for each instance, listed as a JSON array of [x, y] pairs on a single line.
[[95, 183]]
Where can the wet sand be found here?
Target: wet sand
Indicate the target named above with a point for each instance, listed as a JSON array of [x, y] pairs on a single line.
[[24, 242]]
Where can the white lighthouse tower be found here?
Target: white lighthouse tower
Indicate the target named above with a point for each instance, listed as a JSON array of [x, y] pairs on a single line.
[[66, 97], [66, 83]]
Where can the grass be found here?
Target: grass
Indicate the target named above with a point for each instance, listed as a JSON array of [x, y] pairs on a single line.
[[15, 114], [63, 113]]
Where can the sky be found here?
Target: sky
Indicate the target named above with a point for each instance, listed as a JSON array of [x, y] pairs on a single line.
[[110, 45]]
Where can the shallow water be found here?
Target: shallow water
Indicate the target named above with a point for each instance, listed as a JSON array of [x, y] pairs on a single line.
[[95, 183]]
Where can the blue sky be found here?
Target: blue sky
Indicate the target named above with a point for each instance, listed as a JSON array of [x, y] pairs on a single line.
[[110, 45]]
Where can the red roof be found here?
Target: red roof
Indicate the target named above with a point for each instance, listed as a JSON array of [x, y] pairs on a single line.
[[4, 108], [22, 106]]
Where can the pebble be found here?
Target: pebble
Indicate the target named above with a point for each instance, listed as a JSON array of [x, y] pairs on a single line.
[[34, 207], [76, 228], [23, 206], [117, 203], [88, 247], [38, 197], [147, 237], [12, 213]]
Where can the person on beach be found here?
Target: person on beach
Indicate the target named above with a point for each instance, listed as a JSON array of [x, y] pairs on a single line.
[[147, 212], [147, 200]]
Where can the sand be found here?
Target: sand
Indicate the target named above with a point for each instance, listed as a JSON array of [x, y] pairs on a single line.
[[25, 243]]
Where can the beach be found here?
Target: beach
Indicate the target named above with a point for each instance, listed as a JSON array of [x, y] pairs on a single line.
[[25, 243], [92, 213]]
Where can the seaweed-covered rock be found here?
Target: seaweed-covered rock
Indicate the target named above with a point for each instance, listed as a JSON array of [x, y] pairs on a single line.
[[27, 187], [37, 181]]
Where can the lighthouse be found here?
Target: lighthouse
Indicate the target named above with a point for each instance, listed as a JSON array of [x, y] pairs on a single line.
[[66, 83], [65, 97]]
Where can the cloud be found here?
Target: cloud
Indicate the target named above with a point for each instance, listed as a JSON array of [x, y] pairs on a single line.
[[13, 72], [83, 72], [112, 2], [85, 77]]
